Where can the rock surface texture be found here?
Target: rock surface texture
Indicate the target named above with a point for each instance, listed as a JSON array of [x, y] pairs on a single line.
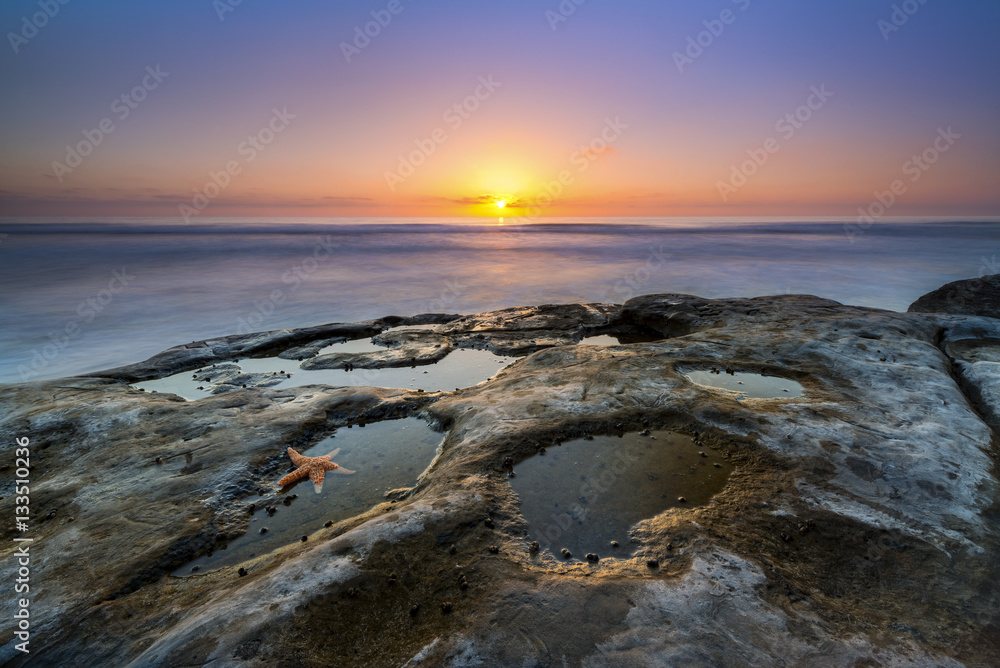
[[860, 526]]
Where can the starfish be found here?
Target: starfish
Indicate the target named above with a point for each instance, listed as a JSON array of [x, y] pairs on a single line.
[[313, 467]]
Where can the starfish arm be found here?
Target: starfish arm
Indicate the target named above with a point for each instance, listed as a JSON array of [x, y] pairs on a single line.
[[297, 474], [333, 454], [336, 468], [296, 458], [317, 475], [328, 465]]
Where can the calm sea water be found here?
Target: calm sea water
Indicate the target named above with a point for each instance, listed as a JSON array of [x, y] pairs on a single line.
[[83, 295]]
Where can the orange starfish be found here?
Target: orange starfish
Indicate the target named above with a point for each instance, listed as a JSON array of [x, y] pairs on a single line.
[[314, 467]]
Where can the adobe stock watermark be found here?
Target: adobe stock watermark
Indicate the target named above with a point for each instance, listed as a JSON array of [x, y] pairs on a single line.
[[914, 169], [989, 266], [363, 35], [562, 13], [22, 514], [631, 284], [455, 116], [86, 311], [714, 28], [122, 107], [581, 159], [787, 126], [31, 25], [223, 7], [591, 489], [248, 149], [450, 294], [899, 17], [298, 274]]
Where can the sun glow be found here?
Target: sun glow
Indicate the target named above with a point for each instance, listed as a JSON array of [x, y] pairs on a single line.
[[501, 204]]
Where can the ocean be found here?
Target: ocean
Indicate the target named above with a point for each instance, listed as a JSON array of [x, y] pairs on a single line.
[[80, 295]]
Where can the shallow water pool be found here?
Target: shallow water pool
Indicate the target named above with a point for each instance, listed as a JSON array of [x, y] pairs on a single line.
[[384, 455], [461, 368], [586, 493], [749, 385]]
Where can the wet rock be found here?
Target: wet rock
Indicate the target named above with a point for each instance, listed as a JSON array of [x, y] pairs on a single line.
[[405, 348], [974, 296], [893, 459]]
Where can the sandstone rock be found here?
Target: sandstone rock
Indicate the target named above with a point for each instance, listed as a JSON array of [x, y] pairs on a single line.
[[888, 461], [974, 296], [406, 348]]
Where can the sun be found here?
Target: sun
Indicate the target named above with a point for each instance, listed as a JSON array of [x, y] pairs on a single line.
[[501, 203]]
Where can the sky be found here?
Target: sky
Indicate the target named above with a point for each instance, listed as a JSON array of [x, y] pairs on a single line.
[[485, 107]]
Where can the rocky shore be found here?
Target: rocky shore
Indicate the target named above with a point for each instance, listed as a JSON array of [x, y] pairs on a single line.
[[860, 525]]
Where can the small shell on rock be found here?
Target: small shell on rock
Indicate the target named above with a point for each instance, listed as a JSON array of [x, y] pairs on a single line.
[[566, 553], [305, 538], [263, 530], [446, 607], [614, 543], [414, 610], [593, 557], [681, 499], [328, 524], [242, 571], [494, 549], [533, 547], [653, 563]]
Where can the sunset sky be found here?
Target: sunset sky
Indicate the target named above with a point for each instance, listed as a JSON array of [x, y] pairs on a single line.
[[455, 105]]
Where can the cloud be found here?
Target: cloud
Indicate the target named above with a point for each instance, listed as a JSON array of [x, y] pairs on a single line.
[[64, 199], [512, 200]]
